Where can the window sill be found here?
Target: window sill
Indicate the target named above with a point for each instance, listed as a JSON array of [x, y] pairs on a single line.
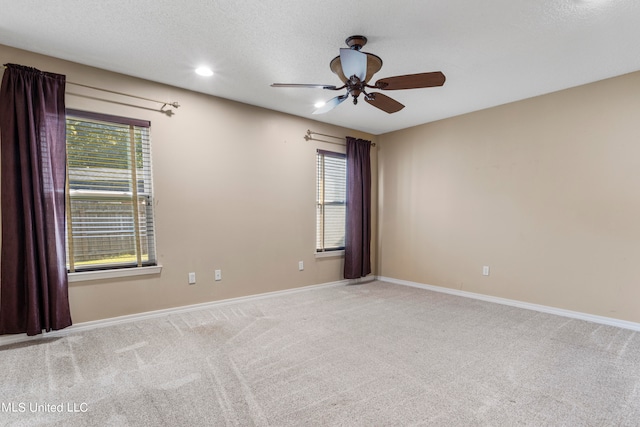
[[110, 274], [330, 254]]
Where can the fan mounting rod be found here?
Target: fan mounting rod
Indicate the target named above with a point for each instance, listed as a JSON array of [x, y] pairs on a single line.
[[356, 42]]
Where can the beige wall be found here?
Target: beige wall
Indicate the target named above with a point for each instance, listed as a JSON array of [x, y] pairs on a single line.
[[545, 191], [234, 190]]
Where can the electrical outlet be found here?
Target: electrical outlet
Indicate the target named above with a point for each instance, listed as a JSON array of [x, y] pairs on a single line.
[[485, 270], [218, 275], [192, 278], [300, 265]]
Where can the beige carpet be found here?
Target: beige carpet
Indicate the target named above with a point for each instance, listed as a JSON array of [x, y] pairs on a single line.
[[361, 355]]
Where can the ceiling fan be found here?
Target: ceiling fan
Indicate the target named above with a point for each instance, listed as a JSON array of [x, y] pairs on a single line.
[[356, 68]]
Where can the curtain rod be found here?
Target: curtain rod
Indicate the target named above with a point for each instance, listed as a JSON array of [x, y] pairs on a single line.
[[164, 104], [309, 137]]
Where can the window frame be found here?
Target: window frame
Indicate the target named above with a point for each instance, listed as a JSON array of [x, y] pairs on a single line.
[[320, 249], [102, 271]]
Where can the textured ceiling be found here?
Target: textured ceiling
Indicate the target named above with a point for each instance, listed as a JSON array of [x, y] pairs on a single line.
[[492, 51]]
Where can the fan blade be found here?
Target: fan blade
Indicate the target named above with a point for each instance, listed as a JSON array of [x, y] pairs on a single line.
[[354, 63], [411, 81], [331, 87], [331, 104], [383, 102]]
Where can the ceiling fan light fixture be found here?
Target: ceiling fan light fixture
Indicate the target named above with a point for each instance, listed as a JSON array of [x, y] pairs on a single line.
[[374, 63]]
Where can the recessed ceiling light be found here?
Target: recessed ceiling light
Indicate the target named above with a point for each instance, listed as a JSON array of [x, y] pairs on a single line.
[[319, 104], [204, 71]]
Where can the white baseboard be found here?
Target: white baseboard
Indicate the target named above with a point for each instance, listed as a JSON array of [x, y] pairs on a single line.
[[520, 304], [84, 326], [12, 339]]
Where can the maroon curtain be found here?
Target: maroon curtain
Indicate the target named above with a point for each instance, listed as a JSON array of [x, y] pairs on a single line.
[[357, 250], [33, 275]]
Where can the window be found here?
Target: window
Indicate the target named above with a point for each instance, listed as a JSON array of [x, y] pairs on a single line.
[[109, 199], [331, 196]]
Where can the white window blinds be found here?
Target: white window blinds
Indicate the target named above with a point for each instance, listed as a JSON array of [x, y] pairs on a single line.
[[331, 197], [109, 197]]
